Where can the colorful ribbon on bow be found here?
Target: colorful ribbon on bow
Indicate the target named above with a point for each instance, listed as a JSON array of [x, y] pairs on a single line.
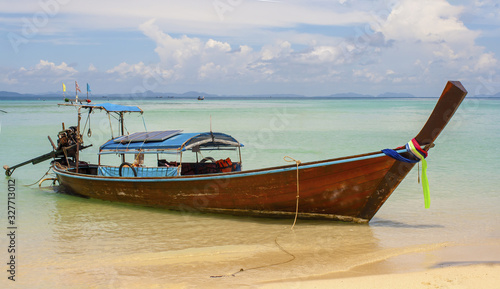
[[414, 149]]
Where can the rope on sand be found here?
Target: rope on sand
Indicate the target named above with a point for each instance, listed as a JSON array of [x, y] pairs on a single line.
[[263, 266], [297, 162]]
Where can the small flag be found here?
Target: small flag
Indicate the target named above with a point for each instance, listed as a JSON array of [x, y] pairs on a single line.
[[77, 87], [64, 87], [88, 88]]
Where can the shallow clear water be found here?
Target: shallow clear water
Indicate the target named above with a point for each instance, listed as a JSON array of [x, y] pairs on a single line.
[[65, 241]]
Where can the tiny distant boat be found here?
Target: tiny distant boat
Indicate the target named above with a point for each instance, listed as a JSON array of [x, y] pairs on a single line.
[[201, 97], [348, 189]]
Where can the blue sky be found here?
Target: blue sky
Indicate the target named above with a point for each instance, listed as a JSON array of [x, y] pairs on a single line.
[[241, 47]]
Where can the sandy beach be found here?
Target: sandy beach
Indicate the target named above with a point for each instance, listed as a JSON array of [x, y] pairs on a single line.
[[456, 266], [452, 266], [472, 276]]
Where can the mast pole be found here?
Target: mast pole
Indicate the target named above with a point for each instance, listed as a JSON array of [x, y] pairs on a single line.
[[78, 138], [122, 131], [76, 94]]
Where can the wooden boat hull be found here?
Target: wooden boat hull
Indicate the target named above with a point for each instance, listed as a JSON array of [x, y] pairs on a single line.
[[346, 189], [333, 189]]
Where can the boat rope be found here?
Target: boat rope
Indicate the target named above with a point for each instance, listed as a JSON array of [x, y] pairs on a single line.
[[89, 133], [125, 127], [54, 180], [262, 266], [110, 126], [297, 162], [413, 148], [144, 122], [87, 121], [46, 173]]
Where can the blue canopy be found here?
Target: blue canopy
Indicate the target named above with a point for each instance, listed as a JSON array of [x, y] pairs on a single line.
[[108, 107], [111, 107], [176, 143]]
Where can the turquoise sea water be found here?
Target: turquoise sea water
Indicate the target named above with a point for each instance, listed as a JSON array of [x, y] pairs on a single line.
[[69, 242]]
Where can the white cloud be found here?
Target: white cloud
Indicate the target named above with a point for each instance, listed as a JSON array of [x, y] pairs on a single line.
[[45, 66], [280, 50], [217, 46], [126, 71], [44, 71], [427, 21], [211, 70], [429, 43], [193, 59], [190, 57], [367, 75], [321, 55], [486, 62], [173, 52]]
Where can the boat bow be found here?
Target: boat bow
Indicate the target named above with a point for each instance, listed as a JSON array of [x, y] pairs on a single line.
[[451, 98]]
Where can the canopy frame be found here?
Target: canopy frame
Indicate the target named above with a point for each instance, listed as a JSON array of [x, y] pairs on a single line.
[[108, 107], [175, 144]]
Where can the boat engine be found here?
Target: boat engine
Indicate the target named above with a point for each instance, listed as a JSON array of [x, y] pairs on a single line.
[[68, 138], [68, 144]]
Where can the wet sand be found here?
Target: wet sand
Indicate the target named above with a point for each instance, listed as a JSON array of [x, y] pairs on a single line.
[[473, 276], [452, 266]]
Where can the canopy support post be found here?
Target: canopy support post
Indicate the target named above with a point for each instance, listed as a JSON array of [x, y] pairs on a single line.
[[179, 167]]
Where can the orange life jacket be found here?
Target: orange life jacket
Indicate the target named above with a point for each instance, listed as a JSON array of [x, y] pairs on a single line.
[[225, 165]]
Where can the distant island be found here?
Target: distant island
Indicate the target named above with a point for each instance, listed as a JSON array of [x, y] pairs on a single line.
[[194, 94]]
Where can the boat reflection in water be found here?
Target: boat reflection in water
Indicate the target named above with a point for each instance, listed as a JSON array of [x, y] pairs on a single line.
[[117, 244]]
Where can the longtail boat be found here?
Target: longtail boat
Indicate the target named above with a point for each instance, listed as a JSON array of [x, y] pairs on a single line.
[[348, 189]]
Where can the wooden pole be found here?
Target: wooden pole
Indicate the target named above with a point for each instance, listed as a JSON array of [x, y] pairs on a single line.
[[78, 138], [122, 131], [76, 94]]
